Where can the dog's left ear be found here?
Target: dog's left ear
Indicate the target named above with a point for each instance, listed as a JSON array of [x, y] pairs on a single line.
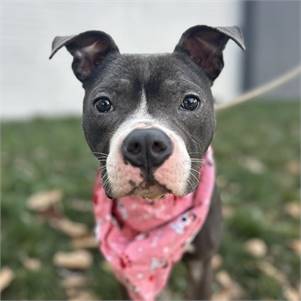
[[204, 45], [88, 50]]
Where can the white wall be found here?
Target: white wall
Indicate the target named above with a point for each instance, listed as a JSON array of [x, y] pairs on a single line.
[[32, 85]]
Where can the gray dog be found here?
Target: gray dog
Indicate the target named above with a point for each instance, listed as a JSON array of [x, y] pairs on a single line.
[[140, 110]]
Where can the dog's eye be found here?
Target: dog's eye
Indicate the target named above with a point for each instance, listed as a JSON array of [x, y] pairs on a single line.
[[190, 103], [103, 104]]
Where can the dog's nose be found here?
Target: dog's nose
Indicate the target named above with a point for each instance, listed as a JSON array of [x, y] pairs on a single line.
[[146, 148]]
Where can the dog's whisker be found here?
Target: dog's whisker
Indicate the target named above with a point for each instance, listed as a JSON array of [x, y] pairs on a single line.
[[192, 182], [198, 163], [195, 177], [100, 154], [193, 169], [102, 160], [106, 181], [189, 182], [102, 165]]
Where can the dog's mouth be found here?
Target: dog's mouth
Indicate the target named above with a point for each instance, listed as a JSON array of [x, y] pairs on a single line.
[[149, 190]]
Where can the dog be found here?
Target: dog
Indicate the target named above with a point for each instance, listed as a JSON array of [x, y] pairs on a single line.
[[149, 120]]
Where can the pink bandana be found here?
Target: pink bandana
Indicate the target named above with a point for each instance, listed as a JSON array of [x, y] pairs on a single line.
[[142, 239]]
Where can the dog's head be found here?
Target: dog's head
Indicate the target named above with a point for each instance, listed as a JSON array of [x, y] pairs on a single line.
[[149, 119]]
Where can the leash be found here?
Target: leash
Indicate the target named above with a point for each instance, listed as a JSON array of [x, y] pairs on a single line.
[[262, 89]]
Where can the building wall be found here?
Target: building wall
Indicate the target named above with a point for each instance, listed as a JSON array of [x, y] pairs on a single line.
[[32, 85], [272, 31]]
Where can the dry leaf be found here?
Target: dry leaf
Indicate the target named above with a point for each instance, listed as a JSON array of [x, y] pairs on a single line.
[[227, 211], [236, 291], [168, 294], [221, 181], [291, 294], [293, 167], [224, 279], [43, 200], [272, 271], [32, 264], [70, 228], [222, 295], [6, 277], [253, 165], [71, 292], [73, 260], [293, 209], [295, 245], [256, 247], [85, 242], [229, 285], [81, 205], [84, 296], [106, 266], [216, 262], [74, 281]]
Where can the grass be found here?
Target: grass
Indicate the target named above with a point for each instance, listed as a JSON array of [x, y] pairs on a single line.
[[45, 154]]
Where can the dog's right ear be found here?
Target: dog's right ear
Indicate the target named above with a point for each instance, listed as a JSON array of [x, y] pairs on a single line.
[[204, 45], [88, 50]]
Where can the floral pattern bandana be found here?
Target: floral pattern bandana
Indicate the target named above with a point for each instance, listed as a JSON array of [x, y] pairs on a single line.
[[142, 239]]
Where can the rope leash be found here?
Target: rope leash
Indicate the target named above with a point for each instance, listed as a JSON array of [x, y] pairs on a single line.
[[262, 89]]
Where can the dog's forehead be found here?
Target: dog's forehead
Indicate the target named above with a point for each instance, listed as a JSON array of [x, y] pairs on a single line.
[[148, 71]]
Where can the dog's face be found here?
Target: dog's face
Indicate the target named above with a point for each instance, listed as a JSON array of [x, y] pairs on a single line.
[[149, 119]]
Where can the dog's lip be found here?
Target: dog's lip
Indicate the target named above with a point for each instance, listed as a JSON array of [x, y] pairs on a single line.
[[147, 186]]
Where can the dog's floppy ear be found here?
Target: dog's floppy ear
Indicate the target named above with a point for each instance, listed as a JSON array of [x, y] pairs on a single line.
[[205, 45], [88, 50]]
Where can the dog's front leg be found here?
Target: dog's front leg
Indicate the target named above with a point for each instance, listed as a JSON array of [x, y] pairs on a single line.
[[205, 245], [200, 279], [123, 292]]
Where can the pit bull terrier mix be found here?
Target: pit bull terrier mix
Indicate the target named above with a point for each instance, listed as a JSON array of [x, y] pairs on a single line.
[[149, 120]]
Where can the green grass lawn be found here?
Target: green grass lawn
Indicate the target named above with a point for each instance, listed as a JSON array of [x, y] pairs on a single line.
[[256, 145]]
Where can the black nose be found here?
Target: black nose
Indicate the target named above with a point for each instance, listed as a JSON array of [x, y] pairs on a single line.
[[146, 148]]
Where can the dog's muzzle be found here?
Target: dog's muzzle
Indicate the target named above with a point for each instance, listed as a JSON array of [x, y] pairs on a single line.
[[147, 149]]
